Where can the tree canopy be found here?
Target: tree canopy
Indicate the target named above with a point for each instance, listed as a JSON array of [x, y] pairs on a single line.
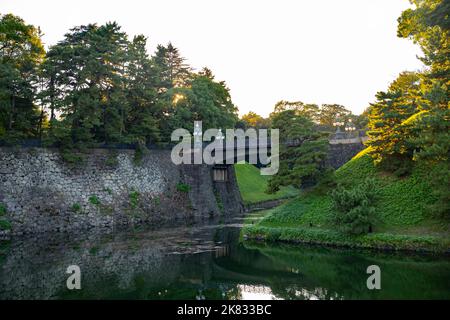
[[410, 122], [303, 150], [98, 86], [21, 53]]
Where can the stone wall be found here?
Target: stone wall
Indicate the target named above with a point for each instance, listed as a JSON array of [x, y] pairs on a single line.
[[227, 194], [43, 193], [340, 153]]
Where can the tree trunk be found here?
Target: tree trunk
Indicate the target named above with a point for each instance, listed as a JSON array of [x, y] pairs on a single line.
[[52, 99], [13, 110], [41, 120]]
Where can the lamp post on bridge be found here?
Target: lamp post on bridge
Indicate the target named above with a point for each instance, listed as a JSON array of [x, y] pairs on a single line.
[[198, 144], [338, 123], [350, 127], [219, 135], [220, 176], [197, 132]]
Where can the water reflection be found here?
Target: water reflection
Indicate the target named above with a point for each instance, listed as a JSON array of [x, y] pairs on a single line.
[[255, 292], [206, 262]]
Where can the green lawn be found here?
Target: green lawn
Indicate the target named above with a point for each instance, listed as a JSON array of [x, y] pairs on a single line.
[[404, 219], [253, 185]]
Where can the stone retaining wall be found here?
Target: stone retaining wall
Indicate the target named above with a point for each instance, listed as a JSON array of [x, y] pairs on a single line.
[[43, 193], [340, 153]]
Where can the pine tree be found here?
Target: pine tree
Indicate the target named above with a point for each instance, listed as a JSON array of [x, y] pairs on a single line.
[[428, 25], [302, 152], [86, 74], [171, 69], [388, 137], [142, 121]]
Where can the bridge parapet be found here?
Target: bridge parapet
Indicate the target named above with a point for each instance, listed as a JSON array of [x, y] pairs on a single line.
[[349, 140]]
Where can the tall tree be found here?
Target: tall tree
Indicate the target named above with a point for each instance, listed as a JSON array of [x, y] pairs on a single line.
[[142, 121], [21, 52], [88, 69], [170, 67], [411, 121], [172, 79], [302, 152], [393, 140], [427, 25], [388, 138], [206, 100]]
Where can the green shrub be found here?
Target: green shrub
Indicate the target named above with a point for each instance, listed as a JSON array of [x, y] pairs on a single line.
[[139, 153], [94, 200], [94, 250], [354, 210], [399, 166], [218, 200], [5, 225], [4, 246], [112, 161], [134, 199], [330, 237], [76, 207], [71, 157], [439, 176], [2, 209], [182, 187]]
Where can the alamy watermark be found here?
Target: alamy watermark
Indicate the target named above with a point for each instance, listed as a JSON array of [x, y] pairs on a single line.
[[374, 280], [74, 280], [235, 146]]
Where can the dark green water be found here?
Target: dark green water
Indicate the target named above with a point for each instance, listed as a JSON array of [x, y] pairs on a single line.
[[208, 262]]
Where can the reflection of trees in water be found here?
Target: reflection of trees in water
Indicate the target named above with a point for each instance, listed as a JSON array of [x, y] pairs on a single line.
[[207, 262], [111, 264], [341, 274], [302, 272]]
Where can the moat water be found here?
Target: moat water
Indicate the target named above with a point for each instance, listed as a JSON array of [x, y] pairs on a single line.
[[208, 262]]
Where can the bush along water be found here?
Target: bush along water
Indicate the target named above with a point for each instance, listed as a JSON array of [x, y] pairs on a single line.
[[354, 210]]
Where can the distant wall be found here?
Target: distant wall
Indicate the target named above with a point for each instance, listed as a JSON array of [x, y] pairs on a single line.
[[42, 193], [340, 153]]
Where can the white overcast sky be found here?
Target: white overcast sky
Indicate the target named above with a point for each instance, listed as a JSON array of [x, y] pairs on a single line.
[[316, 51]]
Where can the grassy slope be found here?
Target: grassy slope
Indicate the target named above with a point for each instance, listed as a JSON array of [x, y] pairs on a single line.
[[252, 185], [404, 222]]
